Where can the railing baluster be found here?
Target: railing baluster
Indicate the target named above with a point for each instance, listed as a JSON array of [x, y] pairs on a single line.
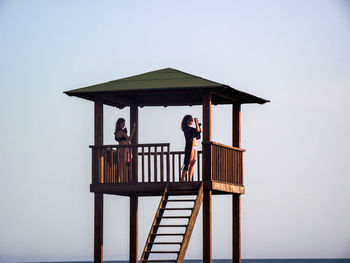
[[198, 165], [130, 158], [112, 165], [103, 166], [179, 162], [173, 165], [155, 164], [143, 164], [168, 164], [235, 168], [161, 164], [149, 164]]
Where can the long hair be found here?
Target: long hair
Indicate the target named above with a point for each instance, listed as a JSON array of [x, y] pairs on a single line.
[[118, 125], [184, 122]]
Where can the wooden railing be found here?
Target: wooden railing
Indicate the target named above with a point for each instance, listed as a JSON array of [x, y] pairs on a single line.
[[156, 163], [227, 163]]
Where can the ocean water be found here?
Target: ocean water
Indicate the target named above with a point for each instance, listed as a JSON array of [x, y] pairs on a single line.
[[299, 260]]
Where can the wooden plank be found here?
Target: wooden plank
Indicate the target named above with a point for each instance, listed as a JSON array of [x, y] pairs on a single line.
[[161, 164], [228, 188], [133, 249], [236, 125], [155, 171], [236, 227], [98, 229], [207, 166], [143, 164], [149, 164], [179, 163], [236, 199], [174, 217], [198, 166], [130, 145], [168, 164], [173, 166], [206, 116], [145, 189], [98, 206], [225, 146], [207, 228], [167, 243], [171, 225]]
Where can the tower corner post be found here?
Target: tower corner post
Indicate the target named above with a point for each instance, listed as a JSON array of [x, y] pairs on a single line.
[[98, 199], [236, 198], [133, 248], [207, 194]]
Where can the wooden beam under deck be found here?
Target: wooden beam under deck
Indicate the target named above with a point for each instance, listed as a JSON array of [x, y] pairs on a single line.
[[157, 189]]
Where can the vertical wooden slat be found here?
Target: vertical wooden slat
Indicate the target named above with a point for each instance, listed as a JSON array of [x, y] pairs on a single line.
[[198, 166], [130, 165], [241, 166], [168, 164], [103, 160], [161, 164], [111, 165], [155, 164], [143, 163], [173, 166], [179, 162], [149, 164]]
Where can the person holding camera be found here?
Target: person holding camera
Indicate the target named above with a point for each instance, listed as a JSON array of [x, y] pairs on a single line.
[[121, 136], [191, 137]]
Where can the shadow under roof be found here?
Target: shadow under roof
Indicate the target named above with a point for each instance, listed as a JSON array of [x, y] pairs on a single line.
[[165, 87]]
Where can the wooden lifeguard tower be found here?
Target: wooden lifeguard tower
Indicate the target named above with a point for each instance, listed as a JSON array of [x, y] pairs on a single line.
[[155, 170]]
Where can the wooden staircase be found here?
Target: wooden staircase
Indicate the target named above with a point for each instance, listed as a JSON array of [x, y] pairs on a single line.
[[173, 219]]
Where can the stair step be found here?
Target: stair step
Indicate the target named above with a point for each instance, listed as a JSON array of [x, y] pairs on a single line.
[[168, 234], [166, 243], [182, 192], [159, 260], [184, 208], [175, 217], [163, 252], [171, 225], [181, 200]]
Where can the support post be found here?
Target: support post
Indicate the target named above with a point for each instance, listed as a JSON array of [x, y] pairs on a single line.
[[206, 136], [133, 252], [133, 248], [98, 207], [207, 224], [236, 198]]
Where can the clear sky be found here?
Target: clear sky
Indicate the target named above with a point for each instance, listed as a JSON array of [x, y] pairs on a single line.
[[296, 168]]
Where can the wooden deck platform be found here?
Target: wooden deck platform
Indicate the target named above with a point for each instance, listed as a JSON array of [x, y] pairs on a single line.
[[157, 189]]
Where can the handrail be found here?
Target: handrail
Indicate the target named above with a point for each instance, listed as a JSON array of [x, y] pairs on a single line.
[[130, 145], [172, 152], [224, 145]]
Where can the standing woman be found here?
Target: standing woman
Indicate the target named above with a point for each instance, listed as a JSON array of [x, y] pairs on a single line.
[[191, 136], [121, 136]]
